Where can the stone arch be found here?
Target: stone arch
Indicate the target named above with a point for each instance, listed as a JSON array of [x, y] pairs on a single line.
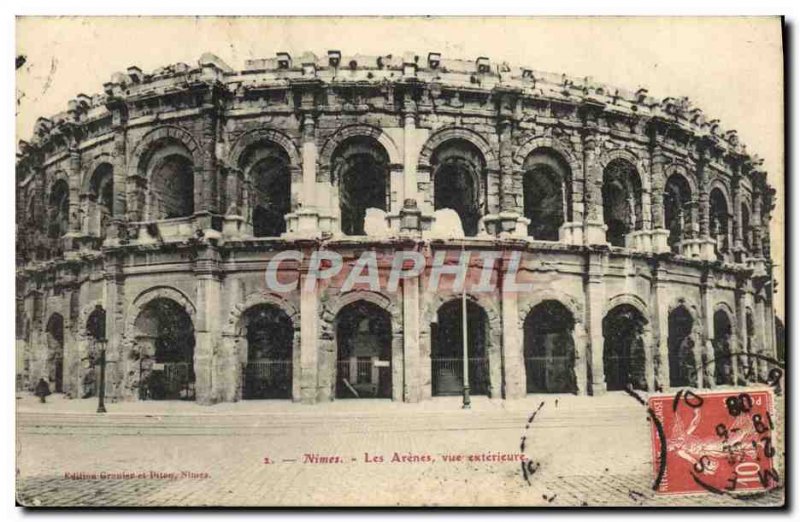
[[429, 310], [718, 183], [232, 325], [638, 162], [627, 340], [151, 294], [332, 307], [132, 383], [58, 176], [91, 168], [150, 141], [346, 132], [59, 201], [83, 317], [724, 306], [55, 332], [553, 345], [725, 364], [678, 169], [547, 181], [328, 349], [153, 150], [537, 297], [684, 352], [255, 137], [446, 134], [546, 142], [493, 334], [360, 173], [632, 300]]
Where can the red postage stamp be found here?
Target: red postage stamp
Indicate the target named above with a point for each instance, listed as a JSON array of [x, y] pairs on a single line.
[[720, 442]]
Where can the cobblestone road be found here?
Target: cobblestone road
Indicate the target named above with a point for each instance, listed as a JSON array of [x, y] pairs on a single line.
[[588, 451]]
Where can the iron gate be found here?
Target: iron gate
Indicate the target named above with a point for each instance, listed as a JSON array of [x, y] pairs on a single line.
[[169, 381], [447, 375], [267, 379]]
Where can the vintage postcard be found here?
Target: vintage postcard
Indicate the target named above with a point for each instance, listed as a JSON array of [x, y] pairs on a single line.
[[406, 262]]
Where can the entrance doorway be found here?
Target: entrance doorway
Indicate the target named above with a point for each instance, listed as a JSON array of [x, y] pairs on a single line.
[[364, 352]]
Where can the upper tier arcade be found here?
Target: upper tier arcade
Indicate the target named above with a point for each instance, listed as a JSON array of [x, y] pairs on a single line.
[[385, 146]]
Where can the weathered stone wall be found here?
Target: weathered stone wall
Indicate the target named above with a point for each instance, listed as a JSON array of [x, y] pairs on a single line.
[[218, 119]]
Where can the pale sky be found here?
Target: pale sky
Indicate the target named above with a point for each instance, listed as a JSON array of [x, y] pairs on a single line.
[[732, 68]]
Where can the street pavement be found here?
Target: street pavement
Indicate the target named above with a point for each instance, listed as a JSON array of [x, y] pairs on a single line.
[[583, 451]]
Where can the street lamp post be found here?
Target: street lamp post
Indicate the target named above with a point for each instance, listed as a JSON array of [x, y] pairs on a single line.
[[101, 392], [465, 345]]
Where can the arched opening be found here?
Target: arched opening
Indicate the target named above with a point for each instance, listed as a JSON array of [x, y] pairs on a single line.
[[746, 231], [267, 374], [101, 192], [750, 362], [622, 200], [55, 352], [447, 352], [268, 170], [459, 182], [364, 351], [723, 361], [545, 185], [360, 165], [623, 348], [681, 344], [677, 210], [58, 209], [95, 333], [550, 349], [719, 222], [165, 341], [171, 183]]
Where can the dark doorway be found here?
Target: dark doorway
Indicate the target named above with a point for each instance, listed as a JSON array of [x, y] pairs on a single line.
[[545, 186], [364, 352], [270, 344], [622, 201], [271, 181], [680, 342], [550, 349], [458, 179], [172, 194], [723, 361], [165, 336], [447, 352], [55, 352], [95, 333], [361, 166], [677, 210], [623, 349]]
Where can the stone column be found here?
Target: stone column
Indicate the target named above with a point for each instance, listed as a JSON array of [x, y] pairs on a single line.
[[210, 200], [309, 333], [595, 290], [755, 224], [742, 361], [207, 327], [115, 316], [411, 349], [660, 289], [705, 364], [410, 214], [595, 228], [70, 364], [509, 213], [513, 356], [706, 242], [308, 223]]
